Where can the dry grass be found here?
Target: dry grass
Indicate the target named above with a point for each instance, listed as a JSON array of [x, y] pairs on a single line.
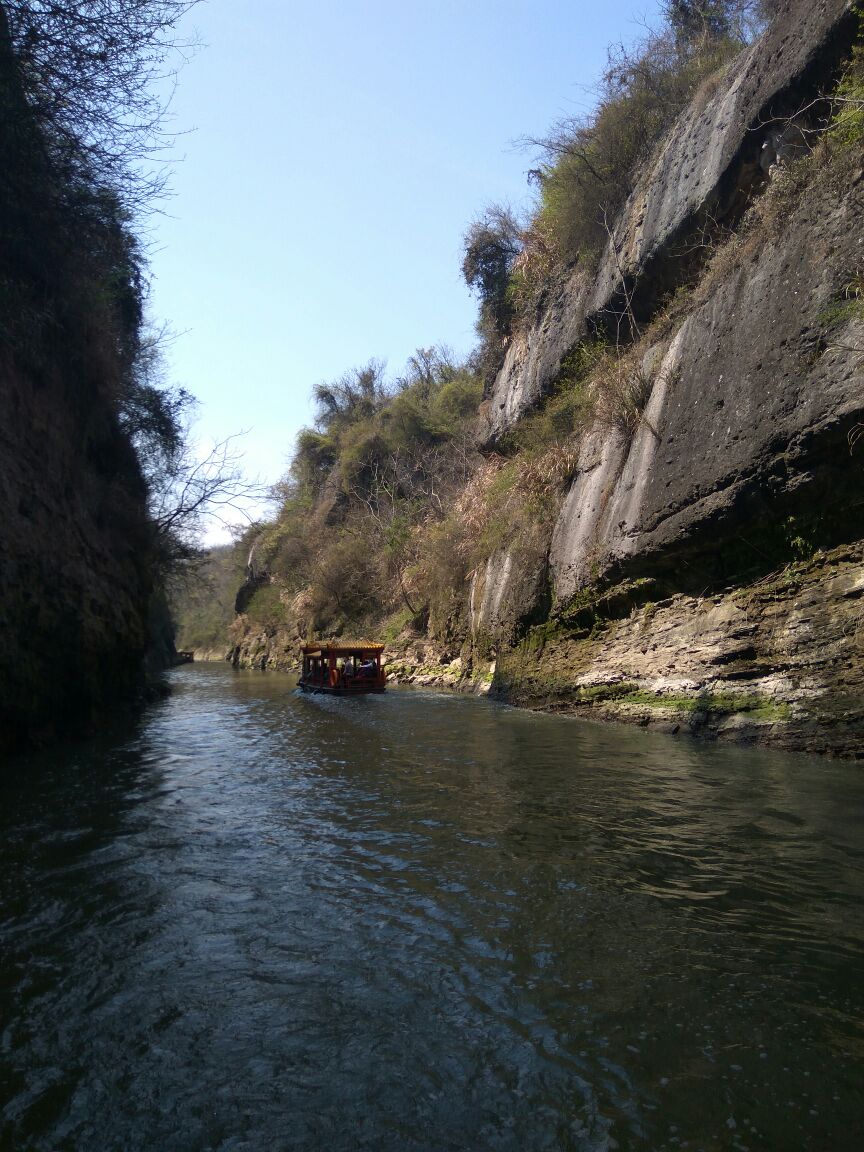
[[620, 396]]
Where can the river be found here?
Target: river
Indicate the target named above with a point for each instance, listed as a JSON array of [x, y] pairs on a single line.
[[266, 921]]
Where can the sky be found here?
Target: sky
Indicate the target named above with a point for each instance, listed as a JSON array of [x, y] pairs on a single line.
[[329, 159]]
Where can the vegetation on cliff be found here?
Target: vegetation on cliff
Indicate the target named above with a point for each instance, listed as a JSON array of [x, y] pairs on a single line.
[[389, 507], [82, 132], [371, 482]]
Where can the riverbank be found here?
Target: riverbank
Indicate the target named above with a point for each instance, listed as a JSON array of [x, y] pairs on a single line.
[[409, 660], [778, 662]]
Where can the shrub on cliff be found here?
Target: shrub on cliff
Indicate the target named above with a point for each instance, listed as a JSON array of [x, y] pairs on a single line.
[[848, 121], [80, 119], [588, 165], [492, 245]]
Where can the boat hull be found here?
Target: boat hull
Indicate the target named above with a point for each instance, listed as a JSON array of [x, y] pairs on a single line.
[[342, 689]]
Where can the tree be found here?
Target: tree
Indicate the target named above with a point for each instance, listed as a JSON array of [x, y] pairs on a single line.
[[356, 395], [88, 70], [187, 490], [697, 22], [492, 243]]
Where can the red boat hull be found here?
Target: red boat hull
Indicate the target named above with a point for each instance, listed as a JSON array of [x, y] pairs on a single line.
[[342, 689]]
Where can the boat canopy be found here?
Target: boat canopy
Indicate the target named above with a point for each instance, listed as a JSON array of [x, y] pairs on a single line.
[[337, 649]]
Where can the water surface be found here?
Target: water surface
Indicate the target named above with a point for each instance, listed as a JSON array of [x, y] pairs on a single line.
[[417, 921]]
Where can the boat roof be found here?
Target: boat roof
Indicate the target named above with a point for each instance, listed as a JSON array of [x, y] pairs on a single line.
[[338, 648]]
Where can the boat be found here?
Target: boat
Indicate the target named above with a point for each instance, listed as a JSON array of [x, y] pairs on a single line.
[[342, 669]]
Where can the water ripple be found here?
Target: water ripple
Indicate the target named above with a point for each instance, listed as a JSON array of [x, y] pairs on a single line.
[[267, 921]]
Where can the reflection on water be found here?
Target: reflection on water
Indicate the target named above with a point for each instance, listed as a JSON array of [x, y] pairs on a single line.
[[269, 921]]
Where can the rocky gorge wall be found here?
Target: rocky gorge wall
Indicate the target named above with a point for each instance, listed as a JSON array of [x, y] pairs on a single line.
[[74, 594], [711, 163], [78, 613], [743, 455], [778, 661], [702, 568]]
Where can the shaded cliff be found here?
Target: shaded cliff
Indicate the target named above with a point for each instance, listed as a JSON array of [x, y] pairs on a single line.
[[74, 590], [665, 522], [77, 600]]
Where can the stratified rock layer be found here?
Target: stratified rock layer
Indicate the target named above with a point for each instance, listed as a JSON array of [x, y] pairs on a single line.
[[779, 661], [753, 399], [745, 453]]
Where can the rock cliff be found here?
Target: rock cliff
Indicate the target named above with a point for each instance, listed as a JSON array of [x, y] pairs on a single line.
[[745, 444], [704, 175], [74, 594], [700, 566], [77, 605]]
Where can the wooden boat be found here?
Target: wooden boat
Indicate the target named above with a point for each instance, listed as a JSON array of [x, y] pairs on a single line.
[[342, 669]]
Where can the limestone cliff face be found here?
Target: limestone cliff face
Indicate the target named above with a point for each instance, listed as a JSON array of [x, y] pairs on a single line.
[[756, 392], [779, 660], [748, 420], [702, 569], [710, 165]]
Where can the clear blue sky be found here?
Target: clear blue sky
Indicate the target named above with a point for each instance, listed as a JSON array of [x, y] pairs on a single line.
[[335, 154]]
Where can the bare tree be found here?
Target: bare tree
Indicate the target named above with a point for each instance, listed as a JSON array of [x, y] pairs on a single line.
[[90, 72], [187, 491]]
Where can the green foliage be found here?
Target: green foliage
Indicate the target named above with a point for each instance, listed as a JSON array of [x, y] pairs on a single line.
[[356, 395], [848, 305], [389, 444], [568, 409], [265, 607], [383, 462], [315, 455], [696, 21], [441, 567], [202, 601], [453, 406], [713, 703], [621, 394], [801, 535], [505, 512], [395, 625], [847, 127], [492, 244]]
